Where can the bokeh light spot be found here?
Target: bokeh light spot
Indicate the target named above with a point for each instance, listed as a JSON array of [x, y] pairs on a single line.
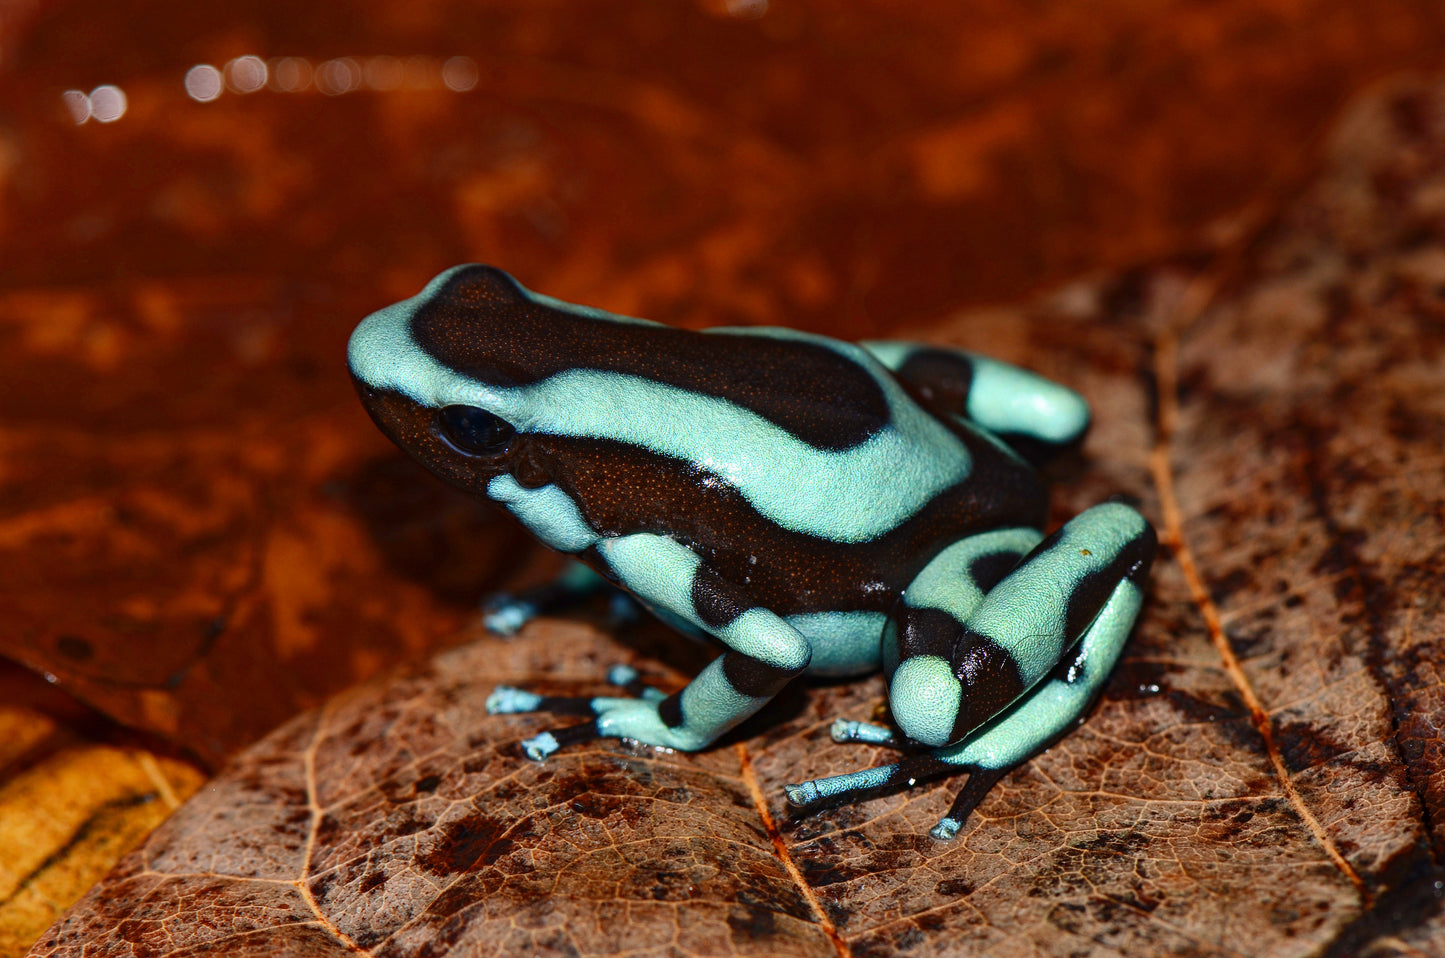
[[335, 77], [460, 74], [203, 82], [290, 74], [77, 104], [107, 103], [246, 74]]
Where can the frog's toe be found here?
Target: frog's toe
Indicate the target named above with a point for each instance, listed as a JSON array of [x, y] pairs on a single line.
[[506, 700], [946, 829], [505, 614], [848, 730], [629, 680], [539, 747]]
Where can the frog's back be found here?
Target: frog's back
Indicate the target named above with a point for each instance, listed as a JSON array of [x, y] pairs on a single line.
[[481, 323], [795, 465]]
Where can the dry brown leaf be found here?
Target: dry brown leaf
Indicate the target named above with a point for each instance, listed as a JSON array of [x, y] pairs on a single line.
[[199, 534], [76, 793], [1265, 775], [67, 820]]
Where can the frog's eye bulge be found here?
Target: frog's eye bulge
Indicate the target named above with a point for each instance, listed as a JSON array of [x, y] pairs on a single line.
[[1059, 622], [473, 431]]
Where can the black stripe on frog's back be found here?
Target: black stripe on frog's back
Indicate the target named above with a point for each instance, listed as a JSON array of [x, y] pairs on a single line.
[[483, 324], [622, 489]]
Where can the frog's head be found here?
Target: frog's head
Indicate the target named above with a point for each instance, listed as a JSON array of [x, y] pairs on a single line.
[[439, 373]]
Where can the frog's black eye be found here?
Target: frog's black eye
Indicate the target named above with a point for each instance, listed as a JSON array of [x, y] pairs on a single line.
[[474, 432]]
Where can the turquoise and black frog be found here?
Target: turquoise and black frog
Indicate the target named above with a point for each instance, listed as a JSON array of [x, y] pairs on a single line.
[[817, 507]]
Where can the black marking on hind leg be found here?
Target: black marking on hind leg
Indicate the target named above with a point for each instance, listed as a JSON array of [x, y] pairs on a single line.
[[926, 632], [989, 570], [670, 710], [940, 379], [1094, 590], [990, 678]]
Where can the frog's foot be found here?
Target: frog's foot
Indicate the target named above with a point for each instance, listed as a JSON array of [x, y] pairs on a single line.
[[506, 612], [819, 793], [634, 717], [509, 700]]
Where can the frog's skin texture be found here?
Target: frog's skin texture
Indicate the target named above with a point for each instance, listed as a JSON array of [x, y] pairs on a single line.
[[817, 507]]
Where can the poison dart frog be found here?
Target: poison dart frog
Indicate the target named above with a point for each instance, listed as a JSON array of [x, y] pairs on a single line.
[[817, 507]]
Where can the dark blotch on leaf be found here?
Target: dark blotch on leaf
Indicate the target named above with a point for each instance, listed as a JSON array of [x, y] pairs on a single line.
[[74, 647], [462, 845], [751, 923]]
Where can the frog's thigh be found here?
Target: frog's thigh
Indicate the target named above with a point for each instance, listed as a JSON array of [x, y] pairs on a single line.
[[948, 590], [1046, 712], [1043, 607], [1050, 708], [1000, 397], [764, 652], [1024, 626]]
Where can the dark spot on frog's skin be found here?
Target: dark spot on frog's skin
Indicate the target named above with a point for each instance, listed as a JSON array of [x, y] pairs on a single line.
[[988, 571], [716, 601], [75, 648], [466, 843]]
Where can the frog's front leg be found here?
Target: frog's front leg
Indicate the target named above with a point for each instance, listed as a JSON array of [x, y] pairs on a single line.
[[764, 654], [1050, 632], [506, 612]]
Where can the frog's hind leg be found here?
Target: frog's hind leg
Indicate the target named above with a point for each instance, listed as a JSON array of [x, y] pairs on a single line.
[[1037, 416], [1061, 620], [993, 751]]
